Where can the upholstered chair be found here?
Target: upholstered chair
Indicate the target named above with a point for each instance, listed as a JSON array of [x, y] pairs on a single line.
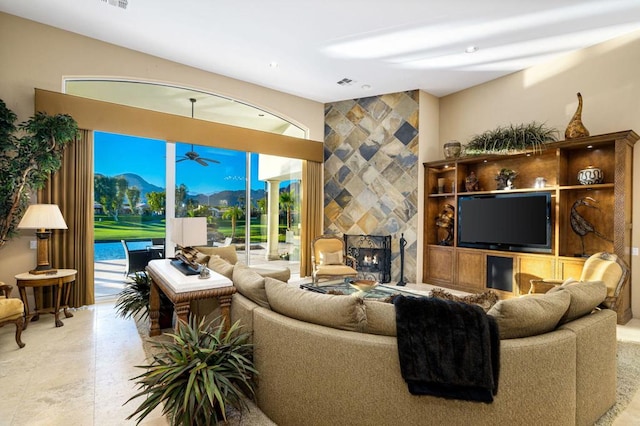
[[11, 311], [603, 266], [329, 259]]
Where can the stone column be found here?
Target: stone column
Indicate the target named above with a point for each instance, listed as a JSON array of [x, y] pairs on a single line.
[[273, 201]]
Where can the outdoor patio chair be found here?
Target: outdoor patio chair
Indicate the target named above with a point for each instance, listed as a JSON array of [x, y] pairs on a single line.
[[137, 260]]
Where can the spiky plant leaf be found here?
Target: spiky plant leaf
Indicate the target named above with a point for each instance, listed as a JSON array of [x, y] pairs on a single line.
[[198, 374], [513, 138]]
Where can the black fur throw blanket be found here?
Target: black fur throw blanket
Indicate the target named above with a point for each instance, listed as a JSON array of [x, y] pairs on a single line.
[[447, 349]]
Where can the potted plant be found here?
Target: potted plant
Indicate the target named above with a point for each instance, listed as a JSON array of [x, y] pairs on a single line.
[[29, 153], [511, 139], [198, 375], [133, 301]]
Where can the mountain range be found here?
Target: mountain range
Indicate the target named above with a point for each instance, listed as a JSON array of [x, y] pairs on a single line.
[[230, 198]]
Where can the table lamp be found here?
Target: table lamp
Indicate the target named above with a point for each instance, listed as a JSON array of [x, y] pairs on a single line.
[[43, 218], [188, 232]]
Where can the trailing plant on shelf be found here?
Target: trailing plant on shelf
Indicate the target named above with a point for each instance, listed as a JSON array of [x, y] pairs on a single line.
[[29, 153], [511, 139], [197, 376]]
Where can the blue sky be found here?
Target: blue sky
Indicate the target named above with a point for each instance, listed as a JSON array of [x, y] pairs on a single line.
[[117, 154]]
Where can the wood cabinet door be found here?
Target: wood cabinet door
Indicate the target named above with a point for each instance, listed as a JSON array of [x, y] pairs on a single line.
[[532, 268], [440, 267], [570, 268], [471, 269]]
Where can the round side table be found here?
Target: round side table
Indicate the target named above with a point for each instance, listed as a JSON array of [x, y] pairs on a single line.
[[60, 282]]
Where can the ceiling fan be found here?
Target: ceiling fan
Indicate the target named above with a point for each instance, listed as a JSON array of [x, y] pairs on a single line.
[[192, 155]]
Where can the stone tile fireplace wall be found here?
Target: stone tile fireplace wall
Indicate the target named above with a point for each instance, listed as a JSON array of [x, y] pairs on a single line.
[[371, 172]]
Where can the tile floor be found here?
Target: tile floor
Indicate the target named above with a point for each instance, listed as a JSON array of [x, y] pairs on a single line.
[[79, 374]]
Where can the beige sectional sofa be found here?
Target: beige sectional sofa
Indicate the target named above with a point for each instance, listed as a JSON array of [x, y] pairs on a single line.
[[333, 360]]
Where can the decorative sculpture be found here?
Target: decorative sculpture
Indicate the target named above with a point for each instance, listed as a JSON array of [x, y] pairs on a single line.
[[575, 128], [445, 221], [471, 182], [505, 179], [403, 244], [580, 225]]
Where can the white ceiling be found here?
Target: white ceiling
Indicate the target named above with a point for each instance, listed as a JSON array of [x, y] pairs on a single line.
[[383, 46]]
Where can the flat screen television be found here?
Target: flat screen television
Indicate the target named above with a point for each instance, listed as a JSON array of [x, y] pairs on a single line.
[[510, 222]]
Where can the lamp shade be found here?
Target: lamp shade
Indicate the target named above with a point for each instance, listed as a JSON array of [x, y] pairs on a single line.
[[189, 231], [42, 216]]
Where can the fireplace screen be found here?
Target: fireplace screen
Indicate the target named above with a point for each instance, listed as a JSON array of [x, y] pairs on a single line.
[[372, 254]]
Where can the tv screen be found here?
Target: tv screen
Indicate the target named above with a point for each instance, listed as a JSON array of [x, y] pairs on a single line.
[[511, 222]]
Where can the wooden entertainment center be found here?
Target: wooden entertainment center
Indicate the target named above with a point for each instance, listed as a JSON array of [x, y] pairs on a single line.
[[509, 272]]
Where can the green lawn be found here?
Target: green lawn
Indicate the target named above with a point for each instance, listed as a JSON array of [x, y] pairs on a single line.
[[131, 227]]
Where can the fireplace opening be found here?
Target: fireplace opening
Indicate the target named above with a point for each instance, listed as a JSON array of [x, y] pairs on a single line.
[[372, 254]]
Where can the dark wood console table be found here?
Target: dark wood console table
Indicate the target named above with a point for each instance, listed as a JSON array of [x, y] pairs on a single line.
[[182, 289]]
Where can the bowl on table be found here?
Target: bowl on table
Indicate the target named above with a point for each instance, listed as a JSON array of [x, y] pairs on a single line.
[[363, 285]]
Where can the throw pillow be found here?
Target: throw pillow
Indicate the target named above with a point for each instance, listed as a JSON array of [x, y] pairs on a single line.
[[530, 315], [485, 300], [585, 297], [250, 284], [221, 266], [331, 258], [341, 312], [228, 253]]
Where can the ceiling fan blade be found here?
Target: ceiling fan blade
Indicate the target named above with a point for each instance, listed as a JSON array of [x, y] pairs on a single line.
[[182, 159], [199, 160], [210, 159]]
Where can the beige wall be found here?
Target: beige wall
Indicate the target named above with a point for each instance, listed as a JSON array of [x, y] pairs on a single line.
[[607, 77], [37, 56]]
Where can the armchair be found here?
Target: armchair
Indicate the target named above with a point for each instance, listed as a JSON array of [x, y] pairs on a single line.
[[603, 266], [328, 259], [11, 310]]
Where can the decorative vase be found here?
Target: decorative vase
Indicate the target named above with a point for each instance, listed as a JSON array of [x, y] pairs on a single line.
[[591, 175], [452, 149], [576, 129]]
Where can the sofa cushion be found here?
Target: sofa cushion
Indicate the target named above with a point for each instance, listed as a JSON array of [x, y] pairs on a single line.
[[221, 266], [228, 253], [342, 312], [585, 297], [250, 284], [530, 315], [381, 318]]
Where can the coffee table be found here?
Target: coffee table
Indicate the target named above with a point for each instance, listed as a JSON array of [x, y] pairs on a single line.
[[342, 286]]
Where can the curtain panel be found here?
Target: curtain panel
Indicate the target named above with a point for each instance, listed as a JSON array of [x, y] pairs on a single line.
[[311, 212], [71, 188]]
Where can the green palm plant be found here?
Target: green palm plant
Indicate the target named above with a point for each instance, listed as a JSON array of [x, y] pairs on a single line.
[[198, 375], [133, 300], [234, 213]]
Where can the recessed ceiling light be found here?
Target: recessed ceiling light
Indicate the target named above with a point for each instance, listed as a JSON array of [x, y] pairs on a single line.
[[366, 87], [471, 49]]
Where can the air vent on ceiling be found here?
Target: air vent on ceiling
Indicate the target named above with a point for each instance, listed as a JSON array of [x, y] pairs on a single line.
[[345, 82], [120, 3]]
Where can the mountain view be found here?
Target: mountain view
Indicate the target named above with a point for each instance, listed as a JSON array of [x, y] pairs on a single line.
[[230, 198]]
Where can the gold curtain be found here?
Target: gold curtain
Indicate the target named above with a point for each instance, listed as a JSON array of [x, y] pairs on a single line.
[[71, 188], [312, 212]]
